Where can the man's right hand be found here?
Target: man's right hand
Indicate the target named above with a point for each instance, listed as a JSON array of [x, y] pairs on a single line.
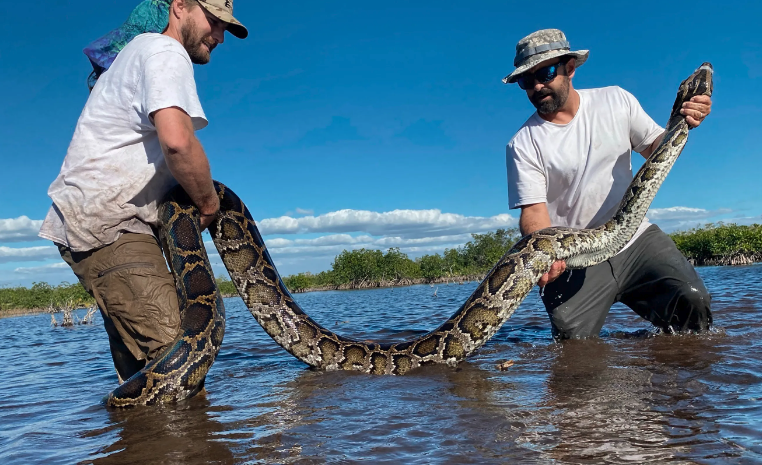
[[556, 269], [207, 219], [535, 217]]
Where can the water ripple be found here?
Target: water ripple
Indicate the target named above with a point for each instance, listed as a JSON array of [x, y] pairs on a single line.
[[632, 396]]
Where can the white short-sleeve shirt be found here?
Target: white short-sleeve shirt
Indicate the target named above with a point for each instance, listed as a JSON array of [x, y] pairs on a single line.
[[581, 169], [114, 174]]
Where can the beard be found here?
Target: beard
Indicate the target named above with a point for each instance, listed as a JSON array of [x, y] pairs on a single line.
[[196, 44], [557, 98]]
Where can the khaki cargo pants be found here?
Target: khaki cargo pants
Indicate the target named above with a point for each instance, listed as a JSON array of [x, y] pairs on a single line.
[[135, 291]]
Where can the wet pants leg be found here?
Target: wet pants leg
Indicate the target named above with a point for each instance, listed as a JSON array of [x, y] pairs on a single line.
[[651, 276], [136, 294], [659, 283]]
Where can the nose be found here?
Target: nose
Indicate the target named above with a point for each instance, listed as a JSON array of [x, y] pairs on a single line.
[[218, 32]]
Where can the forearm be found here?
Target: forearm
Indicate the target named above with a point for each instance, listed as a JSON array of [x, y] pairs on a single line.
[[186, 159], [533, 218], [647, 152], [190, 167]]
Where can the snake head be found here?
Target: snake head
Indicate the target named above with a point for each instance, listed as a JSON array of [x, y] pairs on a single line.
[[698, 83]]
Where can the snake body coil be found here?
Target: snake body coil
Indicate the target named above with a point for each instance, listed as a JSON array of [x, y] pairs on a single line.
[[179, 371]]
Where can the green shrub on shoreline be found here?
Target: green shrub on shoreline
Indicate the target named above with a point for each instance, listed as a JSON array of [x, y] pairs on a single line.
[[362, 268], [43, 296], [721, 244], [713, 244]]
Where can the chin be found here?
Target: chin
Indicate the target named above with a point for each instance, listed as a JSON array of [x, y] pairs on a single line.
[[200, 60]]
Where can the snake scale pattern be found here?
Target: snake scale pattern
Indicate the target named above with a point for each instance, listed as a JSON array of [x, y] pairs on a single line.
[[179, 372]]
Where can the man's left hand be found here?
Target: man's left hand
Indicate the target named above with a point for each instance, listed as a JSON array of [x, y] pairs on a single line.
[[696, 110]]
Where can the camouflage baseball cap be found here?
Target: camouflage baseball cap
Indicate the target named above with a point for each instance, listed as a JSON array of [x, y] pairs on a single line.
[[223, 10], [540, 46]]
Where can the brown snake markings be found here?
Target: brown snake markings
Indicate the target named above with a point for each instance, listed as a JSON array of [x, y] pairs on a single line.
[[180, 370]]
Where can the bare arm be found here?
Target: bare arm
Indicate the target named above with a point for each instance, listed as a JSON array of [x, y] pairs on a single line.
[[186, 160], [533, 218], [650, 149]]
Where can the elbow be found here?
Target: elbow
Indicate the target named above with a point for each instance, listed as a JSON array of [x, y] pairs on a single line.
[[178, 145]]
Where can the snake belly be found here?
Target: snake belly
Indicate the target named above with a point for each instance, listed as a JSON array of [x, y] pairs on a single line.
[[179, 371]]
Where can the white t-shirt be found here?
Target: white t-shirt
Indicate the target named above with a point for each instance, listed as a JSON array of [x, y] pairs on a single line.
[[114, 174], [581, 169]]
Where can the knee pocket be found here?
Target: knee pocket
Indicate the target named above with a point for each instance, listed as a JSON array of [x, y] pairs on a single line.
[[141, 302]]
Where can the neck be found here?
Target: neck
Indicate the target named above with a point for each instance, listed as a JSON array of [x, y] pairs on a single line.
[[173, 31], [567, 112]]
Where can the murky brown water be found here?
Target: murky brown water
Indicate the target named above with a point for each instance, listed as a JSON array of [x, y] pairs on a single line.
[[627, 397]]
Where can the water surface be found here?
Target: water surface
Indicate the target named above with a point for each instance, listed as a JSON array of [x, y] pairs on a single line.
[[628, 397]]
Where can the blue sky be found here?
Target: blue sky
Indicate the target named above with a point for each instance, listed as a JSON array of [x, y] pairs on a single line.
[[344, 125]]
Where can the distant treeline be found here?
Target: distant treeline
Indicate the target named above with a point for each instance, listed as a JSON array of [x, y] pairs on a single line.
[[43, 296], [362, 268], [713, 244], [721, 244]]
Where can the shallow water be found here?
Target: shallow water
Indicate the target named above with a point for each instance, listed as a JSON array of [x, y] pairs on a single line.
[[629, 396]]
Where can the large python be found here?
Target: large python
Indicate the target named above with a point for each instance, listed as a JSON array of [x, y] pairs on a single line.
[[179, 372]]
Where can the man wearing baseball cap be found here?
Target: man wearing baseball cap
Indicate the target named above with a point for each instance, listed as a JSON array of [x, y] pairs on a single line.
[[569, 165], [133, 142]]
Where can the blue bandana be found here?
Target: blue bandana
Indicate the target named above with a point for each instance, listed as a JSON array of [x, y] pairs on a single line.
[[149, 16]]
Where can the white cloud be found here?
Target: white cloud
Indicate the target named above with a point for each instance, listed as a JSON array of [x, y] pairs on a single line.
[[684, 213], [44, 269], [21, 229], [322, 241], [303, 211], [403, 223], [679, 218], [27, 254], [334, 244], [415, 232]]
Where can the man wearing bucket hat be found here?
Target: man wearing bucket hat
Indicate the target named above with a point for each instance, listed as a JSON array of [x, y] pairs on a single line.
[[569, 165], [133, 142]]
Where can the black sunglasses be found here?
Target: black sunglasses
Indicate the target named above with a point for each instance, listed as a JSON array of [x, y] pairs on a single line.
[[542, 75]]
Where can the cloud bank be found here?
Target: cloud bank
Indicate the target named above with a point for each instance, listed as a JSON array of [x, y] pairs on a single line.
[[21, 229], [415, 232], [677, 218], [53, 268], [402, 223], [27, 254]]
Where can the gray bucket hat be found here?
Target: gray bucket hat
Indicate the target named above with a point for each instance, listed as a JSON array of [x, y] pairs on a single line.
[[540, 46]]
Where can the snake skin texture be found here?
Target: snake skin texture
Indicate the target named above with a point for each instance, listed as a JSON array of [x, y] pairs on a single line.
[[180, 370]]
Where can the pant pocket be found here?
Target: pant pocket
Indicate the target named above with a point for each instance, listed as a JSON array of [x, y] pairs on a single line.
[[125, 266], [141, 302]]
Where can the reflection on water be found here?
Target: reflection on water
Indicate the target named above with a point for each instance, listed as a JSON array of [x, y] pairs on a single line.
[[627, 397], [167, 434]]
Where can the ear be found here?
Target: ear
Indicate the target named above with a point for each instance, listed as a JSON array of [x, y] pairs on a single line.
[[175, 7], [571, 67], [178, 6]]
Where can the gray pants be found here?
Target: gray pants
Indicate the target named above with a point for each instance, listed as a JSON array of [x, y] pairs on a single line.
[[651, 277]]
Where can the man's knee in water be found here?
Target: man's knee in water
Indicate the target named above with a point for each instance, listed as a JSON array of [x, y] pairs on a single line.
[[567, 325], [690, 309]]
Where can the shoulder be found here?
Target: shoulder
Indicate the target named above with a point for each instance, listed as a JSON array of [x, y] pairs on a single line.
[[151, 44], [610, 93], [523, 137], [613, 97]]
